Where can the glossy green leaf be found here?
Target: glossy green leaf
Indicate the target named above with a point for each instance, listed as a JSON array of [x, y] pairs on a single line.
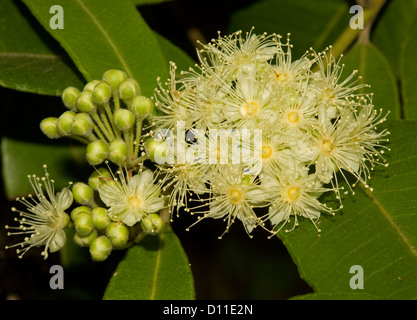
[[392, 28], [21, 158], [375, 230], [409, 72], [102, 35], [374, 69], [157, 269], [29, 61], [311, 23]]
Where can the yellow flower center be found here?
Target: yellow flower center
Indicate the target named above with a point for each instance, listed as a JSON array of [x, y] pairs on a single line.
[[134, 201], [293, 117], [235, 196], [249, 109], [281, 76], [266, 151], [327, 146], [292, 194]]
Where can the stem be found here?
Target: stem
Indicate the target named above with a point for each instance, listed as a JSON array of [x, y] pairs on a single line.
[[349, 35]]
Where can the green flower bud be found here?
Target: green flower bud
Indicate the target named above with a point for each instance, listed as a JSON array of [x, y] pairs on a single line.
[[82, 125], [128, 89], [85, 102], [49, 127], [118, 151], [69, 97], [64, 123], [87, 240], [97, 177], [97, 152], [102, 93], [114, 78], [124, 119], [118, 234], [77, 210], [83, 193], [100, 218], [100, 248], [157, 151], [152, 224], [83, 224], [90, 86], [141, 106]]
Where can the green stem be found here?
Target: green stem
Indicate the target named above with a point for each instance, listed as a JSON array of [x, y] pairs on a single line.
[[349, 35], [138, 136]]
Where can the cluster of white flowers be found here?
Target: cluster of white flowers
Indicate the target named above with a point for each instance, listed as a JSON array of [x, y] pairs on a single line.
[[249, 134], [295, 125]]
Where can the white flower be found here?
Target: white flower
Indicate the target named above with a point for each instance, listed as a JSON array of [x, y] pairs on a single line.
[[45, 219], [294, 197], [131, 198]]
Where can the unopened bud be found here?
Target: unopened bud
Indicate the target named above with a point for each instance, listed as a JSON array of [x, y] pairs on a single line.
[[98, 177], [100, 218], [97, 152], [152, 224], [128, 89], [64, 123], [100, 248], [118, 151], [83, 193], [90, 85], [82, 125], [114, 78], [141, 106], [102, 93], [87, 240], [124, 119], [157, 151], [118, 234], [69, 98], [49, 127], [83, 224], [85, 102], [77, 210]]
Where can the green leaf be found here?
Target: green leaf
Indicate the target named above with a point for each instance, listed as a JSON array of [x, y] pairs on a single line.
[[311, 23], [148, 2], [102, 35], [375, 230], [157, 269], [391, 29], [375, 71], [28, 60], [409, 72], [21, 158]]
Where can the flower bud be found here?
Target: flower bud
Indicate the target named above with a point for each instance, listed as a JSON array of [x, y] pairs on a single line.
[[118, 234], [98, 177], [152, 224], [128, 89], [82, 125], [83, 224], [118, 151], [83, 193], [100, 218], [85, 241], [90, 85], [97, 152], [156, 150], [124, 119], [102, 93], [100, 248], [114, 78], [141, 106], [69, 97], [49, 127], [77, 210], [64, 123], [85, 102]]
